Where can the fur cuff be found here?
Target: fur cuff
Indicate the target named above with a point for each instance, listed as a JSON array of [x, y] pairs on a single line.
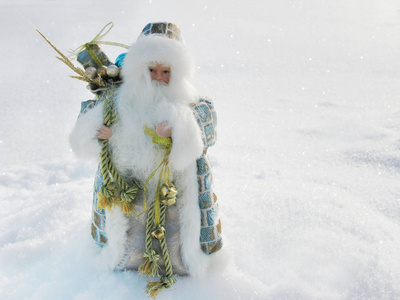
[[83, 138], [187, 145]]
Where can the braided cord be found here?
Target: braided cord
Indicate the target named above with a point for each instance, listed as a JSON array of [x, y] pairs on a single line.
[[163, 243], [165, 282], [149, 268], [112, 178], [104, 156], [149, 228], [157, 216]]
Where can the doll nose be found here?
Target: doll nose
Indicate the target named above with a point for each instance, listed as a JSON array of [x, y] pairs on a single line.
[[158, 76]]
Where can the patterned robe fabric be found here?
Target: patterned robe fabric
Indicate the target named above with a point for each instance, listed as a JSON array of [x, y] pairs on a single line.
[[210, 232]]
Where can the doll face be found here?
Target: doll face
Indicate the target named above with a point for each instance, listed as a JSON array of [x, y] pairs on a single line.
[[160, 73]]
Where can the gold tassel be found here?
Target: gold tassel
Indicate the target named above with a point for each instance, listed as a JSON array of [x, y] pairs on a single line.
[[103, 202], [107, 196], [154, 288], [128, 208], [149, 268]]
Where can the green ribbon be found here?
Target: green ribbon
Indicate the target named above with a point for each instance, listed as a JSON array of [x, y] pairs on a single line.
[[167, 144], [156, 139], [98, 40]]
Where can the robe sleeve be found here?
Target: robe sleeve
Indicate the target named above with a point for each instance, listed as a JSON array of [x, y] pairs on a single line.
[[206, 118]]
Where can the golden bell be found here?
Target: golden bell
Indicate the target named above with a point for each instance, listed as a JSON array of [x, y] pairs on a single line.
[[168, 191], [159, 233], [169, 202]]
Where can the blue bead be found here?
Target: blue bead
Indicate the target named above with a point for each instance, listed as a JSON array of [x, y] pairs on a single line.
[[120, 59]]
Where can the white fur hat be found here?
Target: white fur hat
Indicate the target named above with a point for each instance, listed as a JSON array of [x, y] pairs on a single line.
[[159, 43]]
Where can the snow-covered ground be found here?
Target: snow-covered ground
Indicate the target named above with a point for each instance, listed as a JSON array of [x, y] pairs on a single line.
[[307, 165]]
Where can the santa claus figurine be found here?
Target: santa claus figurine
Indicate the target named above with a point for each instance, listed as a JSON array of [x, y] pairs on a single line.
[[154, 209]]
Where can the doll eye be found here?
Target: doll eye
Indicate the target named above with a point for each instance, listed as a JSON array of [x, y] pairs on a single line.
[[166, 72], [151, 69]]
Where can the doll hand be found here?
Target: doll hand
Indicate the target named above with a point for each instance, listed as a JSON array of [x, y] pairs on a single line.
[[164, 130], [104, 133]]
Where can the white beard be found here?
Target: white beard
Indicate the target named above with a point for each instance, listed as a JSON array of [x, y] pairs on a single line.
[[145, 105]]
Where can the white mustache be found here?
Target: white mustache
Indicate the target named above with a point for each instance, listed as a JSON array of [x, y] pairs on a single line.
[[158, 83]]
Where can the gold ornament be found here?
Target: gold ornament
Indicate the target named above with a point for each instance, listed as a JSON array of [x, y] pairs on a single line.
[[91, 72], [112, 71], [168, 194], [169, 202], [168, 191], [159, 233], [102, 71]]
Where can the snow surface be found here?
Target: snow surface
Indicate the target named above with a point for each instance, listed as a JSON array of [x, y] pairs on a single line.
[[307, 165]]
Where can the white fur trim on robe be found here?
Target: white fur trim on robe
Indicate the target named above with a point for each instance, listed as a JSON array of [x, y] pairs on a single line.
[[195, 260], [83, 140], [115, 253], [192, 256], [187, 145]]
